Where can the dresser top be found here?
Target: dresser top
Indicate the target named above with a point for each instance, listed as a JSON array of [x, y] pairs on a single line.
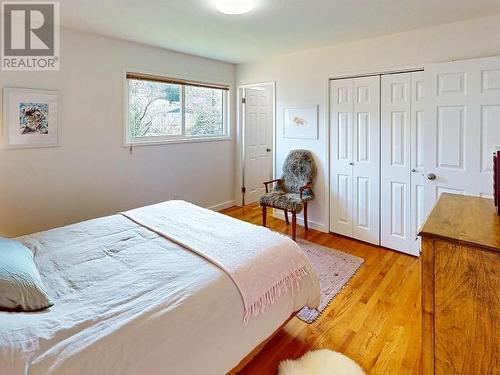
[[464, 219]]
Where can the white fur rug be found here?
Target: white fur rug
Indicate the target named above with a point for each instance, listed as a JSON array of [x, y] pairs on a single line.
[[321, 362]]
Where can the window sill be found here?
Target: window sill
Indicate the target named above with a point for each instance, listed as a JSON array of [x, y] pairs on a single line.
[[176, 140]]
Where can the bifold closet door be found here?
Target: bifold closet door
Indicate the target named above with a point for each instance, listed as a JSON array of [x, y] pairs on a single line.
[[402, 198], [418, 212], [341, 156], [355, 158]]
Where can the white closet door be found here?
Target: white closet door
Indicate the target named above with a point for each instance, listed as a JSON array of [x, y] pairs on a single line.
[[462, 127], [417, 201], [366, 159], [396, 230], [355, 158], [341, 111]]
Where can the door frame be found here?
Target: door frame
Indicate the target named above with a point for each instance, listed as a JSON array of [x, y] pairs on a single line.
[[240, 136]]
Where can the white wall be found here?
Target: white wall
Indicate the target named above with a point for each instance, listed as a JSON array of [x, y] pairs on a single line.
[[92, 174], [302, 78]]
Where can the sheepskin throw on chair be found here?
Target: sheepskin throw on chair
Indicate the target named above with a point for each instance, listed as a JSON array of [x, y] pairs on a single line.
[[293, 190]]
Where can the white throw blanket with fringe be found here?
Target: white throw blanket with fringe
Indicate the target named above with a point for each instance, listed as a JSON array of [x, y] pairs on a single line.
[[263, 264]]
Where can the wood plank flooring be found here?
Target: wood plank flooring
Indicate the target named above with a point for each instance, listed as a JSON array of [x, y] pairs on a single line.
[[375, 319]]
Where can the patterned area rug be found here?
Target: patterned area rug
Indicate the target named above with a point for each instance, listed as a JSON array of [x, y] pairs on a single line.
[[334, 269]]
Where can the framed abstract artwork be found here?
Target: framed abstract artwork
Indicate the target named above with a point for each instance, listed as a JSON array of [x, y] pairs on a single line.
[[301, 123], [30, 118]]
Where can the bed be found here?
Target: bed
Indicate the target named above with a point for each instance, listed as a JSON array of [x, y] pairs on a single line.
[[130, 301]]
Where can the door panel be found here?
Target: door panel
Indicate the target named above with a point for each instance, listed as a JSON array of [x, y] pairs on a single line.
[[490, 131], [418, 134], [450, 133], [462, 117], [258, 141], [418, 212], [344, 136], [399, 128], [417, 179], [366, 164], [402, 161], [354, 199], [395, 162], [344, 205], [398, 210], [363, 194], [341, 96], [363, 139]]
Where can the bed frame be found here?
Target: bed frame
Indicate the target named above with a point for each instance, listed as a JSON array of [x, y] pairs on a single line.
[[254, 353]]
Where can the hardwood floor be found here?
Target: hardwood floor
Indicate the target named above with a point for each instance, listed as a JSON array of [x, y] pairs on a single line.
[[375, 319]]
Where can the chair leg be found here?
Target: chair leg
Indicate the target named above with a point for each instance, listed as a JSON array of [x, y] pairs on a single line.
[[286, 217], [264, 216], [294, 225], [305, 216]]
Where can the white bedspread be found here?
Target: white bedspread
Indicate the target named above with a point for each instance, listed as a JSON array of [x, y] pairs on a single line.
[[263, 264], [128, 301]]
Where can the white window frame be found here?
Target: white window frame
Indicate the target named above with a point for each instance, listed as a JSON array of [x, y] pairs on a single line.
[[158, 140]]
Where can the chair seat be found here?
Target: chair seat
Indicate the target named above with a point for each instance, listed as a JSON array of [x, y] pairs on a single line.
[[282, 200]]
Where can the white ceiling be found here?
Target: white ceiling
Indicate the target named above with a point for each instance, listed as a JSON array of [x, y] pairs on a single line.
[[274, 26]]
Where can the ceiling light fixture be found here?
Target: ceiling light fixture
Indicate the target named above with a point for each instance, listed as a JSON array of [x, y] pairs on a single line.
[[234, 6]]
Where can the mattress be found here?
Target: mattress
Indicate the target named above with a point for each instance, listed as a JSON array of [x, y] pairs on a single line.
[[128, 301]]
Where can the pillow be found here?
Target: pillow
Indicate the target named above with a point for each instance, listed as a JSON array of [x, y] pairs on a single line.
[[21, 287]]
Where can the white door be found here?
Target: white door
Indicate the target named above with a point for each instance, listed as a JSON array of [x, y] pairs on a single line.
[[258, 139], [417, 177], [341, 113], [355, 158], [395, 161], [462, 127], [366, 159], [401, 161]]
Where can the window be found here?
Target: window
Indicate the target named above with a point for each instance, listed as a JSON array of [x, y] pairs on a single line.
[[161, 109]]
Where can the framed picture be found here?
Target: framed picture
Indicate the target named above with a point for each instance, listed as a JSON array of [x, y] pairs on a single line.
[[301, 123], [30, 118]]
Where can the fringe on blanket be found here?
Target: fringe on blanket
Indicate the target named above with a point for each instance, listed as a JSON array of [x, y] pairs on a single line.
[[289, 284]]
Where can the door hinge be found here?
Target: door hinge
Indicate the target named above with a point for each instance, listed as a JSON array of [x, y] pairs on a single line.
[[243, 190], [244, 100]]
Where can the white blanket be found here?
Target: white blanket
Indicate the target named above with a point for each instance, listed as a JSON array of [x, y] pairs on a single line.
[[264, 266], [128, 302]]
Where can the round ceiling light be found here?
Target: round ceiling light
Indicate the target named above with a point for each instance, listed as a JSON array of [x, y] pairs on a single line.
[[234, 6]]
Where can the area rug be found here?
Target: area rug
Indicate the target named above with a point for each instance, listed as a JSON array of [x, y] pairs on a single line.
[[320, 362], [334, 269]]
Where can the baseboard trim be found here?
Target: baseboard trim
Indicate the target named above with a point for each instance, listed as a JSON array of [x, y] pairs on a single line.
[[222, 206], [312, 224]]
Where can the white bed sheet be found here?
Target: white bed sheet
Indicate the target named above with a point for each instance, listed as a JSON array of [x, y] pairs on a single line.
[[128, 301]]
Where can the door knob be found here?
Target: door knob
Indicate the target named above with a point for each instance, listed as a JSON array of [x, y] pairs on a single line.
[[431, 176], [413, 170], [351, 163], [268, 150]]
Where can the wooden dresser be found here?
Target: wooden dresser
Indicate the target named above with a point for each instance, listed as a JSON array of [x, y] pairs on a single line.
[[461, 287]]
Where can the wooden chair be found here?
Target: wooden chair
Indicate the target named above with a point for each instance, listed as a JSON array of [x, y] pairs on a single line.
[[293, 191]]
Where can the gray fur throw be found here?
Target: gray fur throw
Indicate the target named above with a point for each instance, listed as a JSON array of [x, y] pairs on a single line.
[[298, 170]]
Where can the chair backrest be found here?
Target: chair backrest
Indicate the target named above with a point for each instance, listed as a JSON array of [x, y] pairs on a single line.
[[298, 170]]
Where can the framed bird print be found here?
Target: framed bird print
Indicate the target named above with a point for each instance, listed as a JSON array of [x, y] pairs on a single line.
[[301, 123]]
